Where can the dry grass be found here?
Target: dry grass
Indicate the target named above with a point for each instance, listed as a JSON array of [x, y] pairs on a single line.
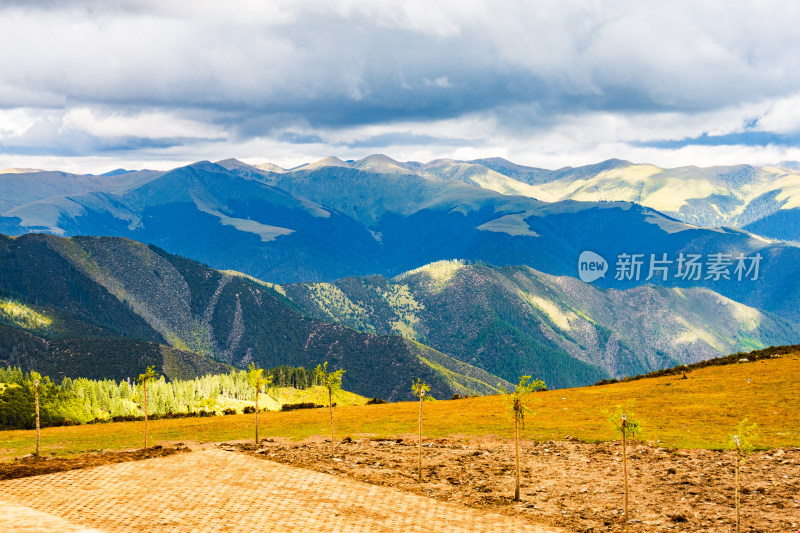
[[699, 412]]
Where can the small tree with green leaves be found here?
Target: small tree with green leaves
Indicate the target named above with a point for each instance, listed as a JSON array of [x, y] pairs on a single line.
[[332, 381], [257, 380], [149, 375], [518, 404], [629, 427], [419, 388], [36, 377], [743, 444]]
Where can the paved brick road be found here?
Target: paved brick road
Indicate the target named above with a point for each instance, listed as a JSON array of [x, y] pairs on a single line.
[[215, 490]]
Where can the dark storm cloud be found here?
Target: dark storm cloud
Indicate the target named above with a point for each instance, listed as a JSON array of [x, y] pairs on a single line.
[[299, 71]]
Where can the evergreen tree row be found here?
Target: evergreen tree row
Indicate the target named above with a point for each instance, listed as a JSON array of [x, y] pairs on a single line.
[[78, 401]]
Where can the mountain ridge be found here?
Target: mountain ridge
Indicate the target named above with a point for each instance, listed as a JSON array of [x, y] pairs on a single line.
[[329, 222], [109, 282], [514, 320]]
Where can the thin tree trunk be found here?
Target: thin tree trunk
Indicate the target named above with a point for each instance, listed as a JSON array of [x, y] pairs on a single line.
[[145, 413], [738, 515], [256, 416], [625, 467], [516, 446], [419, 466], [330, 408], [38, 427]]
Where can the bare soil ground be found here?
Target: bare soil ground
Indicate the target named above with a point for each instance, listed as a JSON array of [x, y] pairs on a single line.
[[33, 466], [215, 490], [570, 484]]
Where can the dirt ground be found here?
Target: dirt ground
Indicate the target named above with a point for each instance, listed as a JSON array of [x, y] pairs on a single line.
[[214, 490], [570, 484], [31, 466]]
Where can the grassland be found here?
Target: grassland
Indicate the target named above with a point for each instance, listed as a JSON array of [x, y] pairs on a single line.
[[289, 395], [699, 412]]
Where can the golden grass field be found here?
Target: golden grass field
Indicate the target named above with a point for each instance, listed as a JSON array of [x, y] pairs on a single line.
[[702, 411]]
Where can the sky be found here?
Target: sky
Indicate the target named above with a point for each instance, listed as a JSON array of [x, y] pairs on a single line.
[[94, 85]]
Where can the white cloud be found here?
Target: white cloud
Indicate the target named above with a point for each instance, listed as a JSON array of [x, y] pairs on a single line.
[[781, 116], [564, 80], [152, 125]]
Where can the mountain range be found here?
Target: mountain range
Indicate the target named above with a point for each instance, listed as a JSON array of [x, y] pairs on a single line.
[[104, 306], [515, 320], [334, 219], [73, 306], [741, 196], [463, 272]]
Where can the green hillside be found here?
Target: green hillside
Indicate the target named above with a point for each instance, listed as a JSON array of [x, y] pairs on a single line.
[[512, 321], [98, 295], [100, 357]]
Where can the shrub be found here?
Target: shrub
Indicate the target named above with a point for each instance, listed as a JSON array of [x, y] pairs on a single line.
[[302, 405]]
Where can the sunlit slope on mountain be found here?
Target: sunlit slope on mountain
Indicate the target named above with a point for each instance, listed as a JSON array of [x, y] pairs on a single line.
[[480, 175], [31, 270], [229, 317], [735, 195], [715, 196], [516, 320]]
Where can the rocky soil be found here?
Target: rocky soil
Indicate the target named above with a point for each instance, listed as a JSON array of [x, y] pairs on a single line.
[[568, 483], [33, 466]]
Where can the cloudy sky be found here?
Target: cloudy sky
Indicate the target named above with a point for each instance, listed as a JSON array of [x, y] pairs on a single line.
[[95, 85]]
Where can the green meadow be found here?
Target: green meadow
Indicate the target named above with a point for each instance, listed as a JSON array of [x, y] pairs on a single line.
[[701, 411]]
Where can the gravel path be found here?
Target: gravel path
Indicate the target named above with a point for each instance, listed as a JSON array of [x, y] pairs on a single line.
[[216, 490]]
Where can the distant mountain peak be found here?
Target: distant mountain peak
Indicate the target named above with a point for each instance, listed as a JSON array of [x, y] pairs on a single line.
[[501, 162], [207, 166], [381, 164], [116, 172], [269, 167], [330, 161], [232, 164]]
